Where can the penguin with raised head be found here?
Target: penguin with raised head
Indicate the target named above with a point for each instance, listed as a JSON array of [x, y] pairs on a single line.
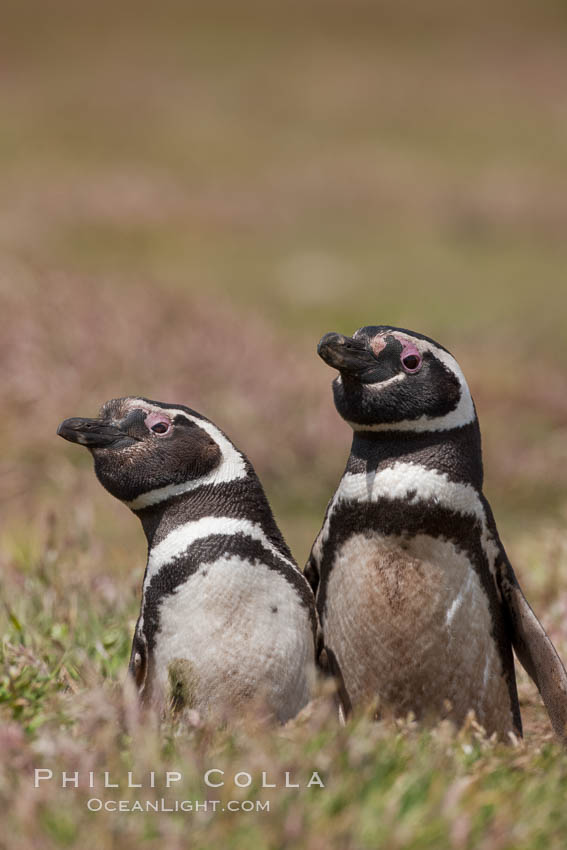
[[227, 618], [418, 603]]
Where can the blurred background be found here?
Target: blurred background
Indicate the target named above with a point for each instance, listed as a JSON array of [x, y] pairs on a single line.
[[192, 194]]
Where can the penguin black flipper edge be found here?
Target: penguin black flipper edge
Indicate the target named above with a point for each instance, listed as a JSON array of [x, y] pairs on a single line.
[[535, 651], [530, 641]]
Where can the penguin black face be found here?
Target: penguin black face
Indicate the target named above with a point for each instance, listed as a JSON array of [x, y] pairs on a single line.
[[140, 446], [395, 379]]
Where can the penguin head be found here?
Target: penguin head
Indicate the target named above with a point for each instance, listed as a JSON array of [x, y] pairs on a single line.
[[142, 448], [392, 379]]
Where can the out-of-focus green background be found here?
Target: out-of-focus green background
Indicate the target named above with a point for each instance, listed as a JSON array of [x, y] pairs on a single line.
[[191, 194]]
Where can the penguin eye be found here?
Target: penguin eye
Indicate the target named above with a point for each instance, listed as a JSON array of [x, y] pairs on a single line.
[[157, 424], [411, 359]]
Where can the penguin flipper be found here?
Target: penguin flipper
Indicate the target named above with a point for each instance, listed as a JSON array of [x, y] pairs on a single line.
[[330, 666], [138, 666], [535, 651], [311, 573]]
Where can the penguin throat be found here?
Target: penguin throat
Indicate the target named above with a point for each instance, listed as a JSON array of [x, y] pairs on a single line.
[[456, 453], [242, 498], [161, 519]]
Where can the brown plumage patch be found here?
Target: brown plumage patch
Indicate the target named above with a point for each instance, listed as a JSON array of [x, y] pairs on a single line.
[[411, 628]]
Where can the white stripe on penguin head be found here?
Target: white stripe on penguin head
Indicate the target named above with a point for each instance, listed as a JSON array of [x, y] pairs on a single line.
[[463, 414], [231, 467]]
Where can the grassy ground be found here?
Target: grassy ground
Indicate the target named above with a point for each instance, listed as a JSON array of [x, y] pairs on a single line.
[[188, 200]]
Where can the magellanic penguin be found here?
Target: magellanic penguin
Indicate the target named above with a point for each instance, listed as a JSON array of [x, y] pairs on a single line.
[[227, 618], [418, 603]]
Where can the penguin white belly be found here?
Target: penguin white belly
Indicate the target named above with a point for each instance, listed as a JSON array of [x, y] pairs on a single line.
[[410, 626], [235, 632]]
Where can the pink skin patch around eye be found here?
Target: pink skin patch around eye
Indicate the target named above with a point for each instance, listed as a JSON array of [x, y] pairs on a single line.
[[153, 419], [410, 350], [378, 344]]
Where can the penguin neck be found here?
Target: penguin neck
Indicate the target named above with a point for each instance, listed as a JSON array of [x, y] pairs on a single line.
[[243, 498], [455, 452], [160, 519]]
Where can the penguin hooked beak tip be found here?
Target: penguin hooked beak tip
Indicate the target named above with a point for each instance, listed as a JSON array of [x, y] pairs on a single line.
[[92, 433], [345, 353]]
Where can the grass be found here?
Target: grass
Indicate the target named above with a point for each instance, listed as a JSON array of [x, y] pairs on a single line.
[[188, 200], [64, 708]]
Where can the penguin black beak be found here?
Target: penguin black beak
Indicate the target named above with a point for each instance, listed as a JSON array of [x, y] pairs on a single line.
[[345, 353], [92, 433]]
